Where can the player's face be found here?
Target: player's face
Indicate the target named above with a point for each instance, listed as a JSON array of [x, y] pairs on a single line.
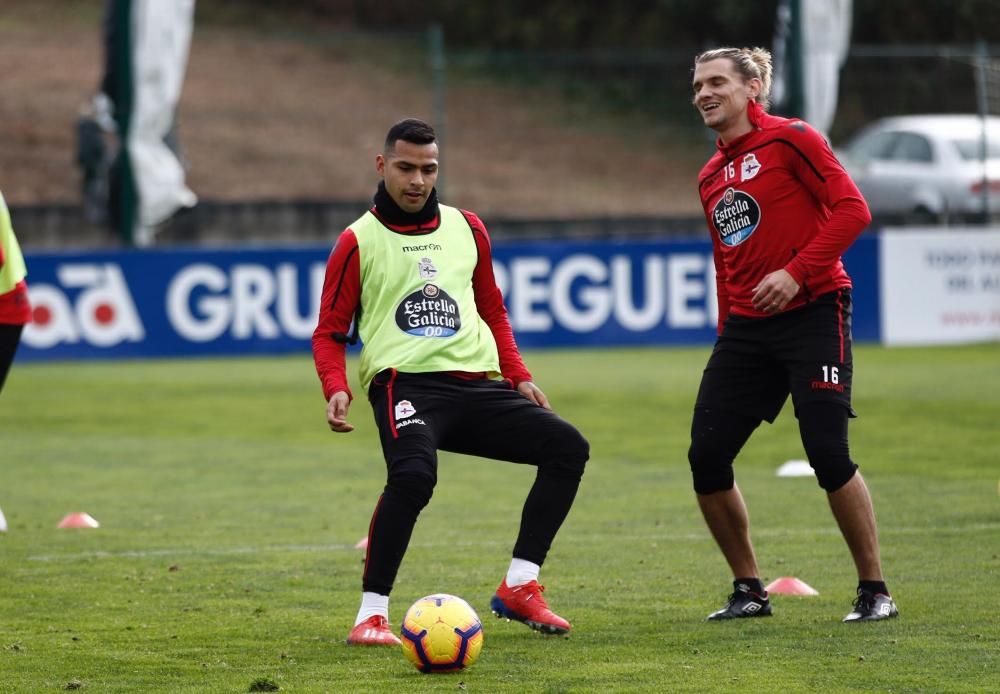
[[721, 95], [409, 172]]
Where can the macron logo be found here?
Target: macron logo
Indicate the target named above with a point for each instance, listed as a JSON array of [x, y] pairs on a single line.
[[422, 248]]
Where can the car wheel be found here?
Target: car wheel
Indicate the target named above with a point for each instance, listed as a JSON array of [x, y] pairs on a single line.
[[922, 215]]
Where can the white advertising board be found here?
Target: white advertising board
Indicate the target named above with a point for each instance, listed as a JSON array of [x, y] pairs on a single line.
[[940, 286]]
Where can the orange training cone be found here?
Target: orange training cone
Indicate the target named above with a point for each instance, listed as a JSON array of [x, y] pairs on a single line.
[[79, 520], [362, 543], [789, 585]]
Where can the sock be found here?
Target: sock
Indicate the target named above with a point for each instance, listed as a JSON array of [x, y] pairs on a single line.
[[874, 587], [753, 584], [372, 604], [521, 571]]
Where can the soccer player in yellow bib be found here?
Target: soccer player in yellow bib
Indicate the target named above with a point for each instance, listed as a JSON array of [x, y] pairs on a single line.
[[413, 278], [15, 310]]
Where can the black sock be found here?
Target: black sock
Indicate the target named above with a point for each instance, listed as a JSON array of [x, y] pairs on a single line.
[[874, 587], [753, 584]]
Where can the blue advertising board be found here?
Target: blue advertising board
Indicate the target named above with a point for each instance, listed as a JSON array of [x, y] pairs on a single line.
[[158, 303]]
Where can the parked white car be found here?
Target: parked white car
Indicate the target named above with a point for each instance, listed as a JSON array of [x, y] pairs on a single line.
[[926, 168]]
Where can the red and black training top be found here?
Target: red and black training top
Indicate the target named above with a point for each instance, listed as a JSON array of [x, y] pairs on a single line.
[[778, 198]]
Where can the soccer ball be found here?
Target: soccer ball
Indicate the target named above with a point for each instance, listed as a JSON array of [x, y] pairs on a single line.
[[441, 633]]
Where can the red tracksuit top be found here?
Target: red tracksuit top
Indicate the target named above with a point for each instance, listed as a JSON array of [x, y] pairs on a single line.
[[778, 198], [15, 309], [342, 296]]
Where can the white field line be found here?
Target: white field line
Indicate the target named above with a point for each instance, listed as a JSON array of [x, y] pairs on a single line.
[[580, 538]]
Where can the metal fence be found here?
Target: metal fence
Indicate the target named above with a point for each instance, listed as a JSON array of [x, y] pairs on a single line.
[[655, 87], [563, 110], [878, 81]]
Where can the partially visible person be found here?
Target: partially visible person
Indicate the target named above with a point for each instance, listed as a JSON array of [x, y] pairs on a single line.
[[781, 211], [414, 279], [15, 310]]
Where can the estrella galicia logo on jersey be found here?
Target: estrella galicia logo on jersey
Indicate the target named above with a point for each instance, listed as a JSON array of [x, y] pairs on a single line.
[[735, 217], [429, 312]]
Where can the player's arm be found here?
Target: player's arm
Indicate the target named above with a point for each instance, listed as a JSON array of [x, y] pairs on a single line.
[[489, 303], [340, 299], [721, 283], [825, 177]]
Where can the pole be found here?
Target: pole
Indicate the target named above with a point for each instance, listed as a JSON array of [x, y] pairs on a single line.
[[125, 196], [982, 59], [435, 36], [796, 66]]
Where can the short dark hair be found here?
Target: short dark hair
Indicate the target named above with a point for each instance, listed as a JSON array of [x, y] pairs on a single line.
[[410, 130]]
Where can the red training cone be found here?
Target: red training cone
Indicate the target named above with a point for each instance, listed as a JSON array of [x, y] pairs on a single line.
[[789, 585], [79, 520], [362, 543]]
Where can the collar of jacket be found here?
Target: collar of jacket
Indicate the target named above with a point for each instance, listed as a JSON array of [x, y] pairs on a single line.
[[760, 120], [397, 219]]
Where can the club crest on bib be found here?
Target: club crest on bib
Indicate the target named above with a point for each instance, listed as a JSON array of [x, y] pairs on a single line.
[[430, 312], [425, 266], [735, 217]]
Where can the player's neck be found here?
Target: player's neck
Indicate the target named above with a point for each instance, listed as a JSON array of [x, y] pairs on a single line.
[[735, 131]]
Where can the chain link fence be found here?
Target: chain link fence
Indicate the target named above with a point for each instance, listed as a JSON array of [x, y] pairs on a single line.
[[535, 142], [654, 88], [879, 81]]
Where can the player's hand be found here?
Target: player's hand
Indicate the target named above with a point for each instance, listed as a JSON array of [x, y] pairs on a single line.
[[336, 412], [774, 292], [533, 393]]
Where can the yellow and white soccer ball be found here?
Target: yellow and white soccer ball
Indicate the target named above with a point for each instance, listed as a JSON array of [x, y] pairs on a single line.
[[441, 633]]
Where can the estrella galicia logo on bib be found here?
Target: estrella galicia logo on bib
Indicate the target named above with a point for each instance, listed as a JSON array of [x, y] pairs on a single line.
[[429, 312], [735, 217]]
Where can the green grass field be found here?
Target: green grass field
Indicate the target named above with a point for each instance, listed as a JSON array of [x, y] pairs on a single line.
[[229, 515]]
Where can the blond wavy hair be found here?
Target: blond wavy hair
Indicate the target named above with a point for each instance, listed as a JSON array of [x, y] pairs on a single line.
[[750, 63]]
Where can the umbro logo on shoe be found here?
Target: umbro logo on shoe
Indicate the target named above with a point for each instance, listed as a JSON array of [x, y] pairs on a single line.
[[743, 603], [872, 607]]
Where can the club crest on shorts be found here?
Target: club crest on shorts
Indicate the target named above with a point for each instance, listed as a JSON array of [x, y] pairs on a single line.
[[404, 409]]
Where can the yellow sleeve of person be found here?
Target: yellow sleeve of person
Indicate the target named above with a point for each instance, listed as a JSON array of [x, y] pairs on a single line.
[[12, 267]]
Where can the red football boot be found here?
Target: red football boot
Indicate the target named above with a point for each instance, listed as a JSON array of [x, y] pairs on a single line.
[[374, 631], [524, 603]]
